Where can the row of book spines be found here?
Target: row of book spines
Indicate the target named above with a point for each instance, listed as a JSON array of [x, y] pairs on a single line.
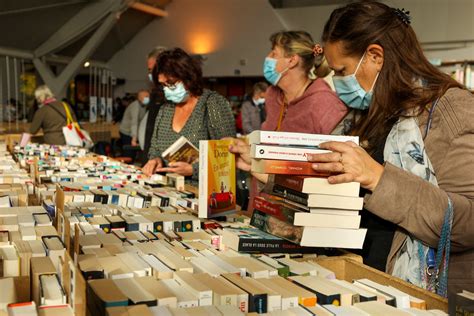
[[157, 226]]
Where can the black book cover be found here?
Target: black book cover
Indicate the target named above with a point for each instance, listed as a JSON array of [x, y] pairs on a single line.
[[258, 303]]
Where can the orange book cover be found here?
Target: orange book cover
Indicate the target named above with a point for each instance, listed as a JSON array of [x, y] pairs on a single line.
[[286, 167], [217, 186]]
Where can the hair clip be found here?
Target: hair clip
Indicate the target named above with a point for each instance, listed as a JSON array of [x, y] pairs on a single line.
[[403, 15], [317, 50]]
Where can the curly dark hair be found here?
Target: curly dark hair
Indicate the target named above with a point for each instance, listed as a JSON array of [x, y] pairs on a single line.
[[177, 64]]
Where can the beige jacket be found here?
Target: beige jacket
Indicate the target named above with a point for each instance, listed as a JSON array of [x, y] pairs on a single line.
[[418, 207]]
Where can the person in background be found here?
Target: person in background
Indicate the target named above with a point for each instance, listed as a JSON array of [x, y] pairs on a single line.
[[50, 116], [416, 157], [190, 111], [156, 99], [299, 100], [253, 110], [118, 110], [131, 119]]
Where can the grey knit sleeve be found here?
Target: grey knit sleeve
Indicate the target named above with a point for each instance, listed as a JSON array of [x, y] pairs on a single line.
[[154, 151], [221, 118]]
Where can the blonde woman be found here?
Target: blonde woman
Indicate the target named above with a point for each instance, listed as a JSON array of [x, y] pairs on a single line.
[[51, 117], [299, 100]]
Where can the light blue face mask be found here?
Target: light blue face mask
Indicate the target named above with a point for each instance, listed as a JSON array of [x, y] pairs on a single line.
[[178, 94], [351, 93], [269, 71], [146, 100], [150, 77]]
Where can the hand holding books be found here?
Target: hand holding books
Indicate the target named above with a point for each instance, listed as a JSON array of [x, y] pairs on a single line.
[[242, 154], [352, 163], [152, 166], [179, 167]]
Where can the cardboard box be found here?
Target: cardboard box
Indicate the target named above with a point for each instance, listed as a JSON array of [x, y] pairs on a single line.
[[350, 269]]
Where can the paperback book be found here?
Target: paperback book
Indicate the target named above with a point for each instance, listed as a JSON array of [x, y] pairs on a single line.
[[217, 181], [181, 150]]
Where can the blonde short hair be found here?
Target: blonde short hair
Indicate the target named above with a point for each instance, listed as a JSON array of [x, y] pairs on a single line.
[[42, 93]]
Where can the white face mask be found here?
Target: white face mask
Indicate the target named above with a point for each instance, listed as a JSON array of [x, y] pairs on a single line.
[[177, 94], [259, 101]]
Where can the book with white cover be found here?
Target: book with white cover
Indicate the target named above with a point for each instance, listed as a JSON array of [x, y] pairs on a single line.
[[185, 298], [163, 295], [377, 308], [193, 285], [259, 151], [333, 237], [51, 291], [326, 220], [159, 269], [335, 201], [11, 261], [296, 139], [135, 293]]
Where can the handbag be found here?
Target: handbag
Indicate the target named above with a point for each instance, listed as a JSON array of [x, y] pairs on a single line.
[[73, 134]]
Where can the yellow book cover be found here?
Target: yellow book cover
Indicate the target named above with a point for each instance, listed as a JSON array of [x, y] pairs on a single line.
[[217, 186]]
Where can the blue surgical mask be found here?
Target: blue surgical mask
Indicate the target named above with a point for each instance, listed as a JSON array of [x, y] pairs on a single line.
[[178, 94], [146, 100], [351, 93], [150, 77], [259, 101], [269, 71]]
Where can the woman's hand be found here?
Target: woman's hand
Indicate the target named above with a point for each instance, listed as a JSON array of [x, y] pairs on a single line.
[[152, 165], [179, 167], [352, 163], [242, 154]]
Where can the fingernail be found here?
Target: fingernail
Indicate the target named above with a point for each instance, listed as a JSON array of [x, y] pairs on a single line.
[[314, 166]]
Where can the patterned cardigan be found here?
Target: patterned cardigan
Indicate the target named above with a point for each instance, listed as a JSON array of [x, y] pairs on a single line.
[[212, 118]]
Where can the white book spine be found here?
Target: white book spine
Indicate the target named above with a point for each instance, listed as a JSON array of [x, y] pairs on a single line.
[[258, 151], [298, 139], [203, 149]]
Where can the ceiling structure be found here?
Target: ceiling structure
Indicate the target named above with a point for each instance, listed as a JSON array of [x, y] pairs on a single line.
[[35, 21], [72, 31]]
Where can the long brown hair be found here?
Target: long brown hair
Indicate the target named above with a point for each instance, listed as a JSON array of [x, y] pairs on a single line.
[[407, 81]]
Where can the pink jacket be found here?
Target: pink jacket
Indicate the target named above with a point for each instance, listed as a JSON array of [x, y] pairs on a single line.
[[317, 111]]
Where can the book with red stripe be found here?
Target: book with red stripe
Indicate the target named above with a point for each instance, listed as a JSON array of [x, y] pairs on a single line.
[[259, 151], [320, 185], [296, 139], [285, 167]]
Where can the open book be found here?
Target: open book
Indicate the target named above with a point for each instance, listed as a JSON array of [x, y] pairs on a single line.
[[181, 150]]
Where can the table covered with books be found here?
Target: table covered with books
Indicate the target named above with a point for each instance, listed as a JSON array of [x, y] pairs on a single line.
[[106, 240]]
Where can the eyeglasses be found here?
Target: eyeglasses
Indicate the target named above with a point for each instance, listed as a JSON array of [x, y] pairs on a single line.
[[169, 85]]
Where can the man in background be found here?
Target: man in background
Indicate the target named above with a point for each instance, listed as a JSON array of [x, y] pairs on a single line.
[[156, 99], [134, 113], [253, 110]]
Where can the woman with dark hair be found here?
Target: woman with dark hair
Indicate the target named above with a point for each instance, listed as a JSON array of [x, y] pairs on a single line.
[[416, 157], [190, 111]]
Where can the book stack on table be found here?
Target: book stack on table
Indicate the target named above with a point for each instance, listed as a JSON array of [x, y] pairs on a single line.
[[303, 207]]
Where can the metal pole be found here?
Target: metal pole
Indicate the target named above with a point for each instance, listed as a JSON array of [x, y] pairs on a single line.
[[15, 69], [1, 97], [24, 89], [8, 91]]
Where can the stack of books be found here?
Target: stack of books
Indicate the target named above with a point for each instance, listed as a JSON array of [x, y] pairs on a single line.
[[303, 206]]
